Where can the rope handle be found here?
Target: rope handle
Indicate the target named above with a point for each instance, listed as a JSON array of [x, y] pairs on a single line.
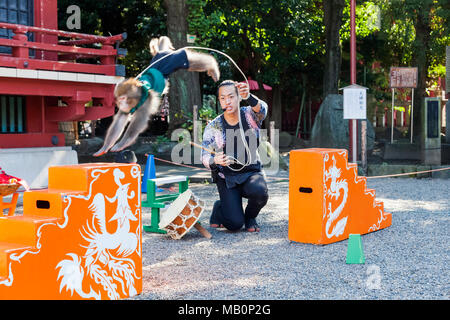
[[371, 177]]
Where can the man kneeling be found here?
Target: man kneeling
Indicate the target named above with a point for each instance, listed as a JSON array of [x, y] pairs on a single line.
[[237, 171]]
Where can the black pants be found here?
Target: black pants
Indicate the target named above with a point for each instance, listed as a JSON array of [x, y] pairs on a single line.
[[231, 213]]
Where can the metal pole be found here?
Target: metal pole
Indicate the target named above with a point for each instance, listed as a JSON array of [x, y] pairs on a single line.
[[195, 132], [272, 132], [364, 145], [353, 123], [412, 114], [300, 114], [354, 136], [309, 116], [194, 123], [392, 116]]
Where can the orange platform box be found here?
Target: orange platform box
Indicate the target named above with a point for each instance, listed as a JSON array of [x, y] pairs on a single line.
[[328, 200], [79, 239]]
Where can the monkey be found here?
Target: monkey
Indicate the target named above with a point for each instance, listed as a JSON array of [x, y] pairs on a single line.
[[139, 98]]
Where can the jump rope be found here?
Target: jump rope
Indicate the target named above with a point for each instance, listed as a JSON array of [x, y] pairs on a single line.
[[241, 129]]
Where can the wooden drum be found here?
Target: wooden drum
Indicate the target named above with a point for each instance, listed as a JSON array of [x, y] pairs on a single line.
[[182, 215]]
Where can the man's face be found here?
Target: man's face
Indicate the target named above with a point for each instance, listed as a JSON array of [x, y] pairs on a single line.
[[229, 99]]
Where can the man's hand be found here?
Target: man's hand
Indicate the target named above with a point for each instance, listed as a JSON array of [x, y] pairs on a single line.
[[244, 90], [221, 159]]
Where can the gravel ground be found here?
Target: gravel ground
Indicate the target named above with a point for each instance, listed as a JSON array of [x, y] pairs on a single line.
[[408, 260]]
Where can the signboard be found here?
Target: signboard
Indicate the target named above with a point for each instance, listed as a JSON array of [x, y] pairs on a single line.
[[355, 102], [447, 68], [403, 77]]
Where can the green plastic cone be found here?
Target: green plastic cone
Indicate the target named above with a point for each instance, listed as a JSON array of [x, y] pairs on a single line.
[[355, 252]]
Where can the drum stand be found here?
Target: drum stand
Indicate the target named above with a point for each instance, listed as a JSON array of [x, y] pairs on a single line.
[[9, 206], [159, 202]]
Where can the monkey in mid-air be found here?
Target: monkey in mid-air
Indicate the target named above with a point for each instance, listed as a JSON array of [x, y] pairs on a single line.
[[139, 98]]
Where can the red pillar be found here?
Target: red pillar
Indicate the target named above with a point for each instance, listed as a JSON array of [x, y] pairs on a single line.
[[21, 35], [353, 124], [352, 42], [46, 16]]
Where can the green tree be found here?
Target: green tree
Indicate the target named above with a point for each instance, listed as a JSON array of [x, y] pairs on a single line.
[[411, 33], [140, 19], [291, 45], [333, 13], [274, 42], [185, 86]]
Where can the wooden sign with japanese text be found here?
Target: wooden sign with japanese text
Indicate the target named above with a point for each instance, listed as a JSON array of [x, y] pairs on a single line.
[[403, 77], [355, 102]]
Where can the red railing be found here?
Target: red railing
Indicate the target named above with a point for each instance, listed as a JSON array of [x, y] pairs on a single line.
[[65, 51]]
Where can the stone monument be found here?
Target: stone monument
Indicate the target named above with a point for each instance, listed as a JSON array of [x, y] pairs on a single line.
[[330, 129]]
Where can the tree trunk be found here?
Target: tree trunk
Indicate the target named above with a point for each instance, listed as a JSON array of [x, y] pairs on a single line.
[[421, 60], [333, 12], [184, 85]]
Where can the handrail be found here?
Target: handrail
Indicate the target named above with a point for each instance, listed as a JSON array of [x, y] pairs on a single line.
[[61, 33], [57, 48], [66, 50]]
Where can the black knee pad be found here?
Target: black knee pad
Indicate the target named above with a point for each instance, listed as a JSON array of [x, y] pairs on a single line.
[[261, 198], [233, 224]]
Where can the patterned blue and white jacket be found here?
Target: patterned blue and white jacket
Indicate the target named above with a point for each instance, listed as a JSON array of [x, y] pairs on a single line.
[[214, 137]]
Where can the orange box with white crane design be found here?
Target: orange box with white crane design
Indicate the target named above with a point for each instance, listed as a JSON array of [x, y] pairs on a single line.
[[79, 239], [328, 200]]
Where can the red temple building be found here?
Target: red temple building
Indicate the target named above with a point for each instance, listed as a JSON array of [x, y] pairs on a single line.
[[41, 82], [49, 78]]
